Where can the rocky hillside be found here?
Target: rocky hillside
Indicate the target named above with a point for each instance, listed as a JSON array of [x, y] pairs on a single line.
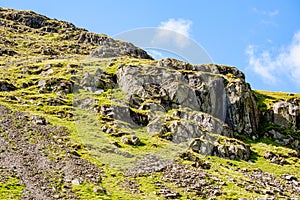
[[84, 116]]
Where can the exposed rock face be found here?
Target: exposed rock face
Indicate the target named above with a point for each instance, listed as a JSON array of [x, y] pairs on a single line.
[[285, 114], [180, 102], [284, 118], [98, 82], [113, 48], [243, 114], [187, 124], [198, 108], [173, 84], [189, 101]]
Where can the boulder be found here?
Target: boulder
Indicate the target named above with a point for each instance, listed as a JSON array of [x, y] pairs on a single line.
[[213, 145], [39, 120], [117, 112], [131, 140], [97, 82], [6, 87], [275, 158], [58, 85]]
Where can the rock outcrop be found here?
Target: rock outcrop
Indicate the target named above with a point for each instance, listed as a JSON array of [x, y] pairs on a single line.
[[172, 84], [113, 48], [282, 121], [189, 101], [182, 125], [180, 102], [213, 145], [57, 85], [286, 114], [282, 137]]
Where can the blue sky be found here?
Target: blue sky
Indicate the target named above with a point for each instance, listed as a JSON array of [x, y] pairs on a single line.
[[260, 37]]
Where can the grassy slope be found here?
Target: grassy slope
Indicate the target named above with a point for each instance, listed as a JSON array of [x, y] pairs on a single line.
[[93, 136], [30, 100]]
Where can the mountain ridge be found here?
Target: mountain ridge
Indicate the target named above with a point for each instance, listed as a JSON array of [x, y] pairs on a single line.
[[138, 127], [65, 34]]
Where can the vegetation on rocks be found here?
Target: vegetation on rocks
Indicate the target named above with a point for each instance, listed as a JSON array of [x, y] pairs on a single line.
[[84, 116]]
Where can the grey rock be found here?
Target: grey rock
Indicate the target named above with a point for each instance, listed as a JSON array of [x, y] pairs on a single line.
[[284, 139], [117, 112], [275, 158], [173, 85], [221, 147], [135, 140], [58, 85], [285, 114], [6, 87], [75, 182], [41, 83], [115, 48], [186, 124], [125, 140], [39, 120], [131, 140], [98, 82], [290, 178], [47, 72]]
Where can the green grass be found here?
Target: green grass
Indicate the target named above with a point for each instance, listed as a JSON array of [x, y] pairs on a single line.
[[267, 98], [90, 191], [11, 189], [89, 133]]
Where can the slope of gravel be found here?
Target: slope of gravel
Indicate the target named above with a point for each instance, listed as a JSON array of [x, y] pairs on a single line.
[[41, 157]]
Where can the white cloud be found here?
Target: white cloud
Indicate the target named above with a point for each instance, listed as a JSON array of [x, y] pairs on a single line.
[[174, 30], [283, 66], [267, 16], [181, 26], [261, 64], [271, 13]]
